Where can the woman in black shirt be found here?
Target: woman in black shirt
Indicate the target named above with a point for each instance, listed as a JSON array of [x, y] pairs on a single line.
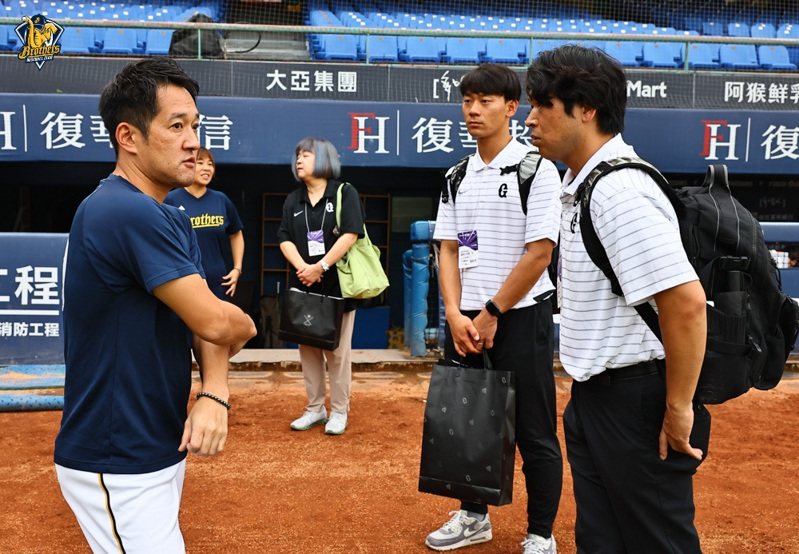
[[312, 243]]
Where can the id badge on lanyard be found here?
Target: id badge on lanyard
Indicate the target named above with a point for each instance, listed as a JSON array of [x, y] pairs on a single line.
[[316, 243], [316, 239], [467, 250]]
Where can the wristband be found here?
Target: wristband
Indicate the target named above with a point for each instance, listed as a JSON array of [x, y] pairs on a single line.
[[225, 403], [237, 269], [324, 265]]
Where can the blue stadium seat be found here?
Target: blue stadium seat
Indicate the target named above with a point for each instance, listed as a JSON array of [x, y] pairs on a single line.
[[774, 57], [738, 29], [5, 44], [422, 49], [77, 40], [762, 30], [157, 42], [591, 44], [788, 30], [507, 51], [628, 53], [339, 47], [542, 45], [738, 56], [465, 50], [120, 41], [381, 48], [693, 23], [663, 31], [660, 54], [713, 28], [703, 56]]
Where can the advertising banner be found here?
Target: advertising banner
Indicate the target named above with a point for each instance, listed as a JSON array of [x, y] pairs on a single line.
[[31, 275], [68, 127]]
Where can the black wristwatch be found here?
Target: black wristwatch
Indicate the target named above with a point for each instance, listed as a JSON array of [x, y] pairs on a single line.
[[493, 309]]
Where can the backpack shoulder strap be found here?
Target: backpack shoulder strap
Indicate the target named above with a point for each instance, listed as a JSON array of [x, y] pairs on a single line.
[[594, 247], [453, 178], [528, 167], [525, 174]]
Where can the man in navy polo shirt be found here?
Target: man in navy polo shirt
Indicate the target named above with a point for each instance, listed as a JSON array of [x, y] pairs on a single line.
[[135, 302]]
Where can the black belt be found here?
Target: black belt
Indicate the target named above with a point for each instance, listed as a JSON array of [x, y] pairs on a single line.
[[615, 374]]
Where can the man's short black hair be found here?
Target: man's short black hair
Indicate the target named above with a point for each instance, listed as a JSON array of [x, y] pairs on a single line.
[[578, 75], [132, 95], [490, 78]]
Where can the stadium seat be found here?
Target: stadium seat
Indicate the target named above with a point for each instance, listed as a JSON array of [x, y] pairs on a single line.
[[507, 51], [713, 28], [591, 44], [77, 40], [660, 54], [788, 30], [541, 45], [5, 42], [381, 48], [120, 41], [422, 49], [339, 47], [738, 56], [774, 57], [692, 23], [157, 42], [762, 30], [628, 53], [737, 29], [703, 55], [465, 50]]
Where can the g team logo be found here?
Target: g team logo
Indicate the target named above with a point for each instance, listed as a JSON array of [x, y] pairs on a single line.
[[39, 36]]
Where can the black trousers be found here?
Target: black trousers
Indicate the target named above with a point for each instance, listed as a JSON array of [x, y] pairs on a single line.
[[524, 344], [628, 499]]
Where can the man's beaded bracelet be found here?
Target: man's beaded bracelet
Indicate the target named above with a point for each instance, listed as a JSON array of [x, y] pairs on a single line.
[[225, 403]]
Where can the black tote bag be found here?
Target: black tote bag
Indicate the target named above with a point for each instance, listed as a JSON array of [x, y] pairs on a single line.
[[311, 319], [469, 437]]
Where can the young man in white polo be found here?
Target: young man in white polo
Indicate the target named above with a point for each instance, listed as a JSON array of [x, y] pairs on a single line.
[[497, 296], [634, 436]]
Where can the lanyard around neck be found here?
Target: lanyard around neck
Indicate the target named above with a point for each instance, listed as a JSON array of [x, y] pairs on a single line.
[[324, 213]]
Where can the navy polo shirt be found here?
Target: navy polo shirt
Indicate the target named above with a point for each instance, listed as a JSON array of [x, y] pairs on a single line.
[[128, 356], [293, 228]]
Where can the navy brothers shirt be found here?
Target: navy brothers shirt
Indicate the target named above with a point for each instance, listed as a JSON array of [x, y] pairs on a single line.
[[128, 356]]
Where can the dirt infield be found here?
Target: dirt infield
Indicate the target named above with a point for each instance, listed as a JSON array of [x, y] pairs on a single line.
[[278, 491]]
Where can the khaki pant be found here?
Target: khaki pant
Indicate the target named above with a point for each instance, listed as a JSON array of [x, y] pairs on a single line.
[[339, 366]]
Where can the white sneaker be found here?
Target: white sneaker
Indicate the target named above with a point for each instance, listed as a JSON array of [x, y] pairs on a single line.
[[461, 530], [309, 419], [535, 544], [336, 424]]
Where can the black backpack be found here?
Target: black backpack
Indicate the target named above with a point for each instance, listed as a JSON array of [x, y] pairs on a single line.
[[751, 325], [525, 172], [184, 41]]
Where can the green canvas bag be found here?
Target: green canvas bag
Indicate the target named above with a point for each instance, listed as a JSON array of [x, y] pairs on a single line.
[[360, 272]]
